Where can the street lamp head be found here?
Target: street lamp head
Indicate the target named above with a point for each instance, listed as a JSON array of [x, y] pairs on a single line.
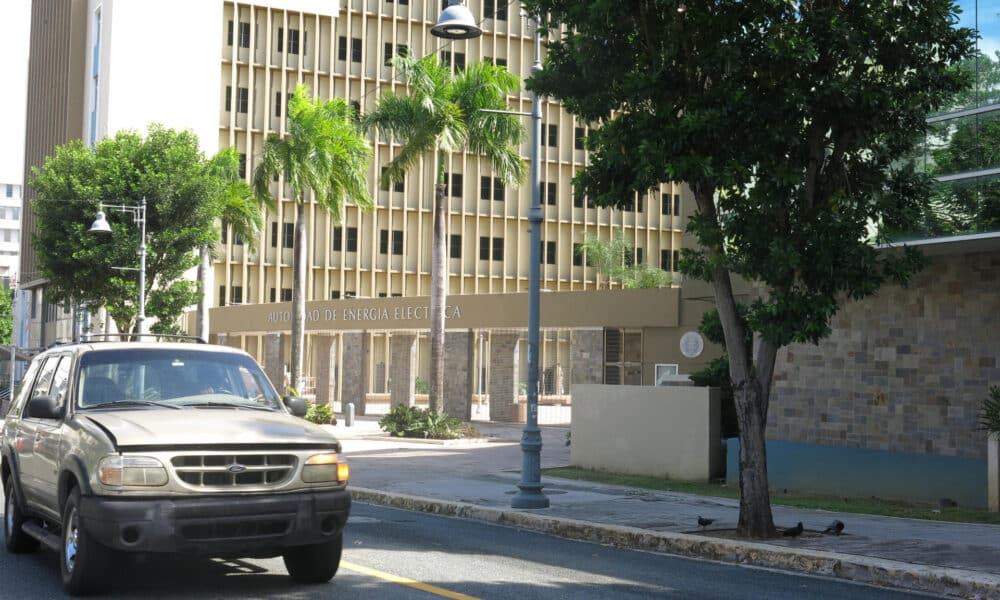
[[456, 23], [100, 224]]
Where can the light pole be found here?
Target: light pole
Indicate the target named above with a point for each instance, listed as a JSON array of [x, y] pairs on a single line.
[[101, 226], [530, 487]]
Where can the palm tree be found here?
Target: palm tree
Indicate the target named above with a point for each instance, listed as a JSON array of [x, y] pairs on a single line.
[[326, 153], [234, 205], [443, 113]]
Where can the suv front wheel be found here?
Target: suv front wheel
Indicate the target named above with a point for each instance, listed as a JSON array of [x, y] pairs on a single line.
[[317, 563], [84, 561], [15, 539]]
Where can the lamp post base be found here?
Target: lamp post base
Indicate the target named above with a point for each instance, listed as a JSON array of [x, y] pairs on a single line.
[[530, 486]]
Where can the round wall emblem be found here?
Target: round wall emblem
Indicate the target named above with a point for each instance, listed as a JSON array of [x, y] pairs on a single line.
[[692, 344]]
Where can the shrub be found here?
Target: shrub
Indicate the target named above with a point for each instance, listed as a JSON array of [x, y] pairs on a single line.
[[421, 386], [989, 418], [410, 421], [320, 413]]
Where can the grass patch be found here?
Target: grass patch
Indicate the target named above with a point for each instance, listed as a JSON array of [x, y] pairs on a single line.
[[868, 506]]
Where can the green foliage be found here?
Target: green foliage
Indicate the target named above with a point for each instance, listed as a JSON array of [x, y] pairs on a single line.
[[989, 418], [167, 169], [716, 372], [421, 386], [615, 259], [6, 316], [321, 414], [410, 421]]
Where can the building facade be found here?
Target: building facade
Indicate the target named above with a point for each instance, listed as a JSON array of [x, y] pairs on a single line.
[[230, 81]]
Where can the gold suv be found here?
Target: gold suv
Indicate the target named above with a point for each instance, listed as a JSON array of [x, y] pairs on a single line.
[[149, 447]]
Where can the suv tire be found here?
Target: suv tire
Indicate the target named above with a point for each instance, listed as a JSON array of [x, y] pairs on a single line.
[[316, 563], [14, 538], [83, 561]]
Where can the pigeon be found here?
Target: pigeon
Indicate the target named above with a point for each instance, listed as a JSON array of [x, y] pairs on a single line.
[[793, 531], [836, 528], [703, 522]]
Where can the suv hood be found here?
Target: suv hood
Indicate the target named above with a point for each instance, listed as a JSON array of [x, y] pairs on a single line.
[[208, 427]]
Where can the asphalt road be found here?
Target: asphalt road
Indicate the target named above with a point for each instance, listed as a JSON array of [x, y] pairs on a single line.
[[403, 555]]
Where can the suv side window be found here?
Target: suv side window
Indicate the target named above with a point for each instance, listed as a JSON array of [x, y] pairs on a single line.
[[45, 376], [60, 382], [21, 395]]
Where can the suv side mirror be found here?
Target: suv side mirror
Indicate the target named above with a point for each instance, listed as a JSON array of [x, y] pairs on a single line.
[[297, 405], [44, 407]]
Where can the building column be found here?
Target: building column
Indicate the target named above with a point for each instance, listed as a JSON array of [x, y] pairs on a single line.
[[326, 368], [274, 360], [402, 369], [586, 356], [354, 369], [504, 377], [458, 360]]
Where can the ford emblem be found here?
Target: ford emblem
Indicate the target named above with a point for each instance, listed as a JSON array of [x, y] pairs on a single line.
[[235, 468]]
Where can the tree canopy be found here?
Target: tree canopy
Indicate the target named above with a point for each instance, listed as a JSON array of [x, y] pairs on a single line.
[[790, 122], [615, 258], [167, 169]]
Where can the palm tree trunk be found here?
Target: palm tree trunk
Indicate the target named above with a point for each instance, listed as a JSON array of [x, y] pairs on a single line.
[[298, 296], [203, 270], [439, 292]]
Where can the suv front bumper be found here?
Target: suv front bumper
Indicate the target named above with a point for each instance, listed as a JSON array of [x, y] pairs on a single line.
[[233, 526]]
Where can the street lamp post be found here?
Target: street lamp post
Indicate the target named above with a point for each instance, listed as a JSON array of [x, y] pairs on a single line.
[[530, 487], [101, 226]]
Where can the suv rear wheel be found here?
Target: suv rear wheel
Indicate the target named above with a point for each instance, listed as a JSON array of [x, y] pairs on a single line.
[[317, 563], [15, 539], [84, 561]]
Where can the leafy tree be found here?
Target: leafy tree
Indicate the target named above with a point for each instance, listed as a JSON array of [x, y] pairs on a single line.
[[6, 316], [325, 153], [443, 113], [167, 169], [615, 259], [789, 121], [716, 372], [234, 205]]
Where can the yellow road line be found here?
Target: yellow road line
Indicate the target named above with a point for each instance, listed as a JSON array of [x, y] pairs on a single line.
[[432, 589]]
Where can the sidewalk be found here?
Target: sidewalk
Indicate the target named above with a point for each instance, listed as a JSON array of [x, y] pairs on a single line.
[[476, 479]]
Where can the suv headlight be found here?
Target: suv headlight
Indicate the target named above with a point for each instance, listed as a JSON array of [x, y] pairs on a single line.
[[120, 471], [325, 468]]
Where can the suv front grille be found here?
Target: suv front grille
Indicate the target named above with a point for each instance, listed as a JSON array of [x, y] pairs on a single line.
[[234, 470]]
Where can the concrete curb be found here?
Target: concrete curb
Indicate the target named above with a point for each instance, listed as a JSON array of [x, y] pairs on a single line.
[[876, 571]]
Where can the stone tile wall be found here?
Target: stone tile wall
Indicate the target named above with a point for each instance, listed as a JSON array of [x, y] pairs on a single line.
[[587, 356], [904, 371]]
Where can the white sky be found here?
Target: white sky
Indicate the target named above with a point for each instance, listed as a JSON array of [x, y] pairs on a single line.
[[15, 18]]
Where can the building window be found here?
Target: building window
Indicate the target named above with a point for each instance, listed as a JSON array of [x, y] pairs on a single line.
[[549, 190], [274, 235], [495, 9], [236, 294], [286, 294], [639, 256], [244, 34], [579, 138], [356, 50], [665, 204], [222, 295], [455, 187], [553, 137], [640, 203], [352, 239], [484, 248], [397, 186], [677, 205], [338, 238], [665, 260], [547, 253], [342, 48], [293, 41], [622, 357], [383, 241], [397, 243], [10, 190], [242, 100], [243, 165], [498, 190], [500, 62], [401, 50], [335, 295], [229, 98], [237, 239], [455, 246], [485, 187], [677, 261], [229, 34], [453, 58], [577, 255], [577, 201], [498, 248], [288, 235]]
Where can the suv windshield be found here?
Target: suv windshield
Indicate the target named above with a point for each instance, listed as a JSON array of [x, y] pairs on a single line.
[[145, 377]]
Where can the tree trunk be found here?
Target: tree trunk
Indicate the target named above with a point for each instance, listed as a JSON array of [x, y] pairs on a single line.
[[299, 269], [750, 387], [203, 270], [439, 294]]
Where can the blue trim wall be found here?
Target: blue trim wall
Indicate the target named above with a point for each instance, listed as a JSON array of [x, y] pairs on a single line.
[[861, 472]]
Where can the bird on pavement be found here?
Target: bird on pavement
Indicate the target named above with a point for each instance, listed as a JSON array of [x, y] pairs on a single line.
[[703, 522], [836, 528], [793, 531]]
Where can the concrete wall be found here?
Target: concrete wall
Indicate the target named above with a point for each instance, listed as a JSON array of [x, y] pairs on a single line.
[[670, 432]]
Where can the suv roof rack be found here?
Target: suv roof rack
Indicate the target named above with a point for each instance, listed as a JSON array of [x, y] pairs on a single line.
[[133, 337]]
